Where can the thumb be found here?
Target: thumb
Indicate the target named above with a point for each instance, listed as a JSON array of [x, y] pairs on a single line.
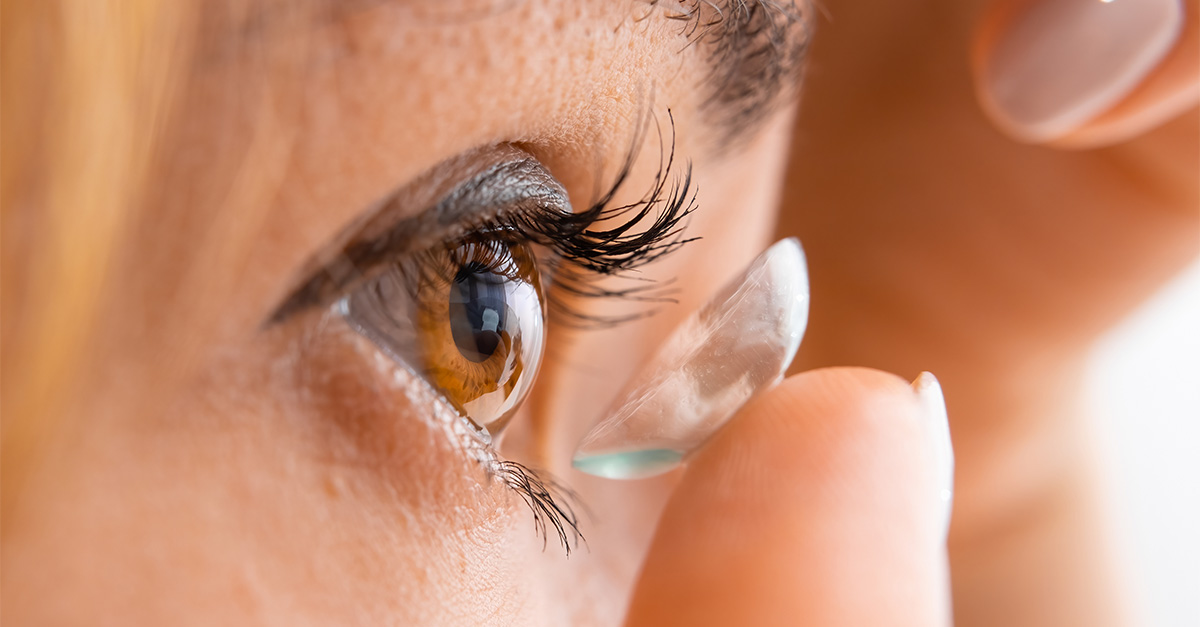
[[820, 503], [1083, 73]]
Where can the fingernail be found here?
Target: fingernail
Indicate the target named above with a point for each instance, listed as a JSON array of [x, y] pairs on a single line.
[[1060, 63], [738, 344], [929, 392]]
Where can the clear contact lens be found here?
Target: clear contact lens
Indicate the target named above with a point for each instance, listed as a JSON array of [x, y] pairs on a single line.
[[737, 345]]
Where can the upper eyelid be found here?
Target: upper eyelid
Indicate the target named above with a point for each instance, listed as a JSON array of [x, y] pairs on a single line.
[[455, 197]]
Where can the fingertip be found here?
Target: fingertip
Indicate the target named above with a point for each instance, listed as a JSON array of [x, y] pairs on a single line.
[[814, 421], [1081, 73], [814, 500]]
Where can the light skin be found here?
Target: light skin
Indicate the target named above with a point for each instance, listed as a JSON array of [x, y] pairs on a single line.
[[995, 265], [280, 473], [219, 470]]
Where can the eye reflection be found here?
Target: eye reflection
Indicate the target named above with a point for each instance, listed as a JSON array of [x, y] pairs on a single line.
[[478, 311], [468, 317]]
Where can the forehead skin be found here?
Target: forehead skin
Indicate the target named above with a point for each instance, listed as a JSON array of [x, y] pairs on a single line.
[[329, 111], [330, 95], [288, 476]]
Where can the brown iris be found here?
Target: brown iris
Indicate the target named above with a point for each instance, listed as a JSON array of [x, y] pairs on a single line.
[[479, 320]]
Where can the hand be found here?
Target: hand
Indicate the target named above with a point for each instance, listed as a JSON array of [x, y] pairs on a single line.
[[938, 241], [819, 504]]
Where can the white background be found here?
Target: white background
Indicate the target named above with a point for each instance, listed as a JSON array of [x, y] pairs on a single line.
[[1144, 388]]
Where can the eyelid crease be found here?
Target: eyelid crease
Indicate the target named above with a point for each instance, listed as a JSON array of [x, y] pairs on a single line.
[[460, 195], [603, 240]]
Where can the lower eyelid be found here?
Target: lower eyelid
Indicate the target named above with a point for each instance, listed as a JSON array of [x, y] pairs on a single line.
[[374, 414], [407, 449]]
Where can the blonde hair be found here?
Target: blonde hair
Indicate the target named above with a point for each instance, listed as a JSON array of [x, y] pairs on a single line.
[[87, 87]]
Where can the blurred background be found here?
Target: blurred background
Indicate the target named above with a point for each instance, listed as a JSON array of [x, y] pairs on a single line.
[[1144, 386]]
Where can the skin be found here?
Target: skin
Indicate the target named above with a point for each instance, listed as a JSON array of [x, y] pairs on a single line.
[[995, 265], [285, 474], [213, 471]]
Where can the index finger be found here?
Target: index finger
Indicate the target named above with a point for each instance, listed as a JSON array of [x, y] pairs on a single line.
[[815, 505]]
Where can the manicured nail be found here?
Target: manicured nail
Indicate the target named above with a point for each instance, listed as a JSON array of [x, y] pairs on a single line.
[[1060, 63], [737, 345], [929, 392]]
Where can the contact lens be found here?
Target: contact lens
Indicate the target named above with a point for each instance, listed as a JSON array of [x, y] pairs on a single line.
[[737, 345]]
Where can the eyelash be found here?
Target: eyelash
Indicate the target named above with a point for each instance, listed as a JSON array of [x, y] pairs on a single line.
[[577, 255], [552, 503], [580, 256]]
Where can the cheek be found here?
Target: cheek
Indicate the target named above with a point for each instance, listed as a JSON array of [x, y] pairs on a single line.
[[393, 506], [294, 481]]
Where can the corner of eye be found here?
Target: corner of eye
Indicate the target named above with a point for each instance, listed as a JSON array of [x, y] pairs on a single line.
[[298, 301]]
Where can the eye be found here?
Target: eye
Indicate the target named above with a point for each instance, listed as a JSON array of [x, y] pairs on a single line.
[[468, 317], [467, 313]]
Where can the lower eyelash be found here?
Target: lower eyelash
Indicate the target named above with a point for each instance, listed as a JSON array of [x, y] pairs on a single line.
[[552, 503]]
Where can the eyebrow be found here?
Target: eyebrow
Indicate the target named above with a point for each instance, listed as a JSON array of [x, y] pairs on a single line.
[[755, 52]]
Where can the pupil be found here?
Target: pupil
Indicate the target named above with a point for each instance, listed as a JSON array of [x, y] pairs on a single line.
[[478, 309]]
